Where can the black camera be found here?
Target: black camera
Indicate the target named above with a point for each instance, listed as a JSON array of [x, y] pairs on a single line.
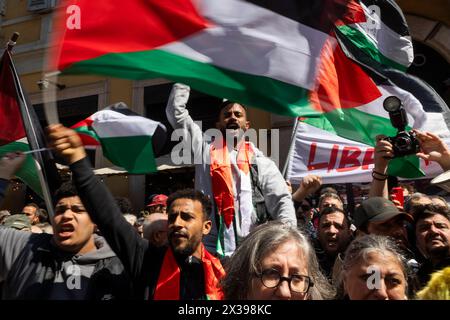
[[405, 142]]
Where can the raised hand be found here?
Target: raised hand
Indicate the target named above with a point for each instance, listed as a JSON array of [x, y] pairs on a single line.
[[433, 148], [66, 143], [383, 154]]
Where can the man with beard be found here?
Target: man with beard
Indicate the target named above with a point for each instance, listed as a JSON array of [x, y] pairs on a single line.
[[247, 188], [185, 269], [334, 235], [433, 239]]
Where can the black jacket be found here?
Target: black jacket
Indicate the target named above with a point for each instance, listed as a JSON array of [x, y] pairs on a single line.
[[141, 260], [32, 267]]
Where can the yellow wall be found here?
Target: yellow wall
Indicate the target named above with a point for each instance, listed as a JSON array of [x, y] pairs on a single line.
[[120, 91], [16, 9], [259, 119], [29, 30]]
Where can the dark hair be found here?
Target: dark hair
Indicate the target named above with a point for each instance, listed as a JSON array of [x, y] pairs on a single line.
[[67, 189], [440, 198], [330, 210], [408, 187], [328, 190], [32, 204], [193, 195], [226, 103], [43, 215], [411, 203], [124, 205], [331, 195], [427, 210]]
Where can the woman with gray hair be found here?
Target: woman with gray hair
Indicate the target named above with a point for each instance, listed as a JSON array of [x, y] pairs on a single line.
[[275, 261], [374, 269]]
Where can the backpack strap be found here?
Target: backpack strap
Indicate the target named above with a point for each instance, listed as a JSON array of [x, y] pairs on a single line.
[[258, 197]]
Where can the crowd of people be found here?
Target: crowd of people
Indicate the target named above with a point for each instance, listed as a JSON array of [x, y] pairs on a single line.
[[241, 234]]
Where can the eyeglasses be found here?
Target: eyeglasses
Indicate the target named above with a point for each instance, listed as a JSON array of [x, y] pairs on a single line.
[[299, 283]]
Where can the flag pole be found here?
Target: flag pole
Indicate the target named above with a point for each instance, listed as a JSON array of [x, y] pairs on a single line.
[[31, 134], [291, 148], [12, 42]]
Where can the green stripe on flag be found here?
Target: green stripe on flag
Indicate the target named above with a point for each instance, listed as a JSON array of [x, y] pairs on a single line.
[[87, 131], [220, 241], [135, 154], [27, 173], [354, 125], [259, 91], [361, 42]]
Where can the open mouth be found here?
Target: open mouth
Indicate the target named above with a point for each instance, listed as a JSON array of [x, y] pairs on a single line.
[[233, 126], [436, 241], [332, 243], [178, 235], [65, 230]]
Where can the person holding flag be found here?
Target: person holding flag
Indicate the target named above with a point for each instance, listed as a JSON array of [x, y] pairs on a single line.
[[184, 270], [247, 187], [73, 263]]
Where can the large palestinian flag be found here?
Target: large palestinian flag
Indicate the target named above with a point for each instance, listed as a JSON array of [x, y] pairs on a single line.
[[382, 36], [266, 54], [368, 67], [128, 140], [283, 56]]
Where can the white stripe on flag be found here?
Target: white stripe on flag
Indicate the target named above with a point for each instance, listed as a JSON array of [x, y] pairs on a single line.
[[112, 124], [253, 36], [389, 43]]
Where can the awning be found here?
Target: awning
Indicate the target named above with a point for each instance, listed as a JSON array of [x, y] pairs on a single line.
[[163, 163]]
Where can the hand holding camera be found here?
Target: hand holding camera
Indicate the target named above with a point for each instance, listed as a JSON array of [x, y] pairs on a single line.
[[425, 145], [383, 153], [433, 148], [405, 142]]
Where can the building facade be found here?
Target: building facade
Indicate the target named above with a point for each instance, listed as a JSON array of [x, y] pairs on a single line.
[[79, 96]]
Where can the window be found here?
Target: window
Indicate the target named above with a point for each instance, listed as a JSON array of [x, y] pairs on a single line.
[[71, 111]]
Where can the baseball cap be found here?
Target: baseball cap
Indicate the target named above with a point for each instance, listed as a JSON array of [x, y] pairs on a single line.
[[442, 181], [376, 209], [17, 221], [159, 199]]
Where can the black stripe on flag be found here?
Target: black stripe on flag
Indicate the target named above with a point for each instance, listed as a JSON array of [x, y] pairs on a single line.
[[317, 14], [391, 15]]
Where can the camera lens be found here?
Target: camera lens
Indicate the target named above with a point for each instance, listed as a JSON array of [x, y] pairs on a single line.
[[392, 104], [402, 143]]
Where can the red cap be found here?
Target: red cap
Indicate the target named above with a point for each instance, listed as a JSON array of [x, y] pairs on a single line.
[[159, 199]]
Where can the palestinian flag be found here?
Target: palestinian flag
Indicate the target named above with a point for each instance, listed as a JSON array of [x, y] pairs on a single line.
[[338, 143], [11, 128], [266, 54], [20, 130], [383, 36], [27, 173], [128, 140]]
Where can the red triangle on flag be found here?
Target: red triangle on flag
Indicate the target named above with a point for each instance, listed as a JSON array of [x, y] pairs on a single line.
[[341, 83], [11, 125]]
